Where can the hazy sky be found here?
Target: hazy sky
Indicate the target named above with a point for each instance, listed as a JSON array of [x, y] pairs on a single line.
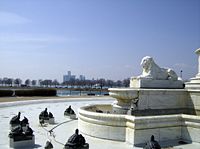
[[43, 39]]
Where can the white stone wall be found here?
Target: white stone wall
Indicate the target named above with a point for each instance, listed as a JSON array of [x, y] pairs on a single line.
[[162, 99], [194, 99]]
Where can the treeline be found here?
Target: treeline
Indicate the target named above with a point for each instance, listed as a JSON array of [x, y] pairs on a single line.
[[98, 83], [28, 92]]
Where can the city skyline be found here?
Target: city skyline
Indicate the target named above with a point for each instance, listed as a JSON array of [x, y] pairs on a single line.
[[100, 39], [67, 77]]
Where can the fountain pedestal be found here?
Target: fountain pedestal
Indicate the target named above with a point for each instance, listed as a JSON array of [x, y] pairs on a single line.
[[195, 82], [136, 82]]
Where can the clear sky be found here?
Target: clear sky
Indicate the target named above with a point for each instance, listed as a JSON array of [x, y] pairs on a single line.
[[43, 39]]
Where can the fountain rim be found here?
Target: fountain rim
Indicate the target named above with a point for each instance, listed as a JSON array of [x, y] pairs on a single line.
[[144, 89], [83, 110], [136, 122]]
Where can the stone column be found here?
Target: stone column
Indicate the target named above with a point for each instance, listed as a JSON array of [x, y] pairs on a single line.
[[194, 83], [198, 53]]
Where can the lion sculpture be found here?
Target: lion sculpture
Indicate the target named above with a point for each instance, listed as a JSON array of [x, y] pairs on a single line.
[[152, 71]]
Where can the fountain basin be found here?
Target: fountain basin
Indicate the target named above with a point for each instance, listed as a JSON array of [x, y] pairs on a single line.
[[101, 125], [138, 129]]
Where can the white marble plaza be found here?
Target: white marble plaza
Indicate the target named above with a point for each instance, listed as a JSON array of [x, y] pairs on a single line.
[[31, 110]]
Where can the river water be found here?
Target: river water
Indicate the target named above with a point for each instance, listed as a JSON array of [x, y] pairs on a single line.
[[79, 93]]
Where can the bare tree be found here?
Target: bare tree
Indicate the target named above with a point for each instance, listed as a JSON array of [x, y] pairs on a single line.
[[119, 83], [101, 82], [109, 83], [33, 82], [28, 82], [126, 82], [18, 81], [55, 82], [5, 81], [40, 82], [1, 81], [47, 83], [9, 81]]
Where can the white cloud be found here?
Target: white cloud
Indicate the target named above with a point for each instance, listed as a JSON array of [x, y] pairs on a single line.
[[32, 38], [12, 41], [8, 18]]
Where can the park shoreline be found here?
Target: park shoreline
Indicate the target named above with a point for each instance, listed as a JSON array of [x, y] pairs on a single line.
[[39, 98]]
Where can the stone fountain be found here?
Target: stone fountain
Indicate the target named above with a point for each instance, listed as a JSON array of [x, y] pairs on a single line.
[[154, 80], [157, 103]]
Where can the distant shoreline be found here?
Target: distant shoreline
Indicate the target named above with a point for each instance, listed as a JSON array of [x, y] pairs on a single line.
[[70, 95], [13, 99], [56, 88]]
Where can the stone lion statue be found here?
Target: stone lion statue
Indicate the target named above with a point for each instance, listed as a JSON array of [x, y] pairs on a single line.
[[151, 70]]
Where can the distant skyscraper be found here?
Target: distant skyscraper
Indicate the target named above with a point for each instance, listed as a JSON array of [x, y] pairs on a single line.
[[82, 77], [69, 73], [68, 77]]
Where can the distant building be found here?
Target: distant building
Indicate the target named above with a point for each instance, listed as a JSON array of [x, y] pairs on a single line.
[[68, 77], [82, 78]]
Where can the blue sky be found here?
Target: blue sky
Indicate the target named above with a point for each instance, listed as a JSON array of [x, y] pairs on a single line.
[[43, 39]]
